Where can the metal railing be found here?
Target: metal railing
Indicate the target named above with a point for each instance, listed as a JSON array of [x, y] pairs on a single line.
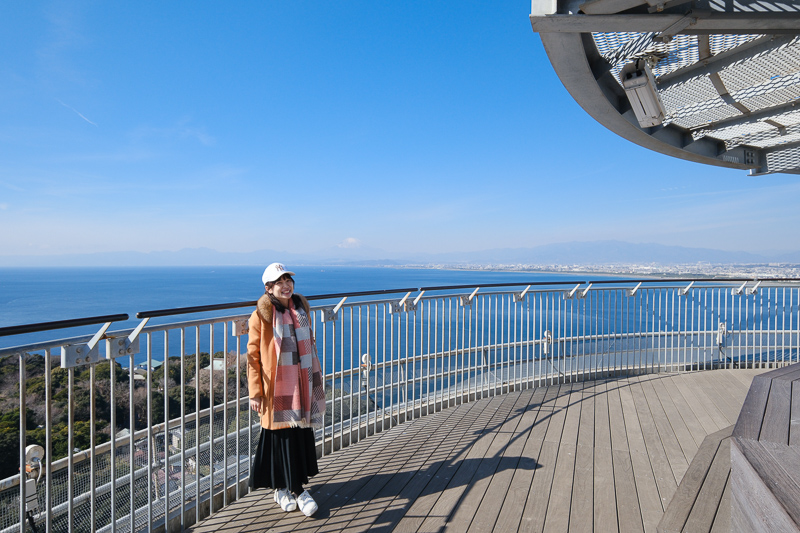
[[173, 398]]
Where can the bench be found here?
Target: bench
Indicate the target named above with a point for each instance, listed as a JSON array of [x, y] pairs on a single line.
[[702, 501], [765, 455]]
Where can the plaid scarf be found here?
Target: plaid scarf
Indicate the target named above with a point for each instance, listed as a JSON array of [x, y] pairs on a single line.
[[299, 396]]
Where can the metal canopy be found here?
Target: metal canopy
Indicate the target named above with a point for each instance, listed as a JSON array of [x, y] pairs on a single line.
[[710, 81]]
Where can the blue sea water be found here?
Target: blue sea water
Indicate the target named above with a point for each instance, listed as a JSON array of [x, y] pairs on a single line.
[[35, 295]]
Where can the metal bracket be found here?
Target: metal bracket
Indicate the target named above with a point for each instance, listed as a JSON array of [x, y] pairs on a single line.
[[568, 295], [722, 332], [632, 292], [467, 300], [754, 288], [520, 296], [739, 291], [240, 327], [366, 366], [416, 301], [126, 345], [31, 498], [408, 305], [684, 292], [583, 293], [547, 342], [330, 314], [73, 355], [678, 26]]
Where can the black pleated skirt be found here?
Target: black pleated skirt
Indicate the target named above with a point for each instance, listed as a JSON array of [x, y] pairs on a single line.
[[285, 458]]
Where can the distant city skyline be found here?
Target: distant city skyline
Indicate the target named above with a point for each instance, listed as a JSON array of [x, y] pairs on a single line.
[[406, 127]]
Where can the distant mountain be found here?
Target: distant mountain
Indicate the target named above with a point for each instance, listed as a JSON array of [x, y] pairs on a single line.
[[570, 253]]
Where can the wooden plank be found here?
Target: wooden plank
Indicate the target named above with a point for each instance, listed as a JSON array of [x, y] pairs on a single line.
[[748, 426], [582, 507], [441, 475], [794, 429], [783, 475], [448, 498], [630, 518], [775, 427], [665, 477], [722, 521], [581, 513], [533, 517], [704, 396], [516, 493], [477, 489], [745, 375], [512, 513], [680, 507], [495, 487], [685, 410], [726, 398], [685, 437], [388, 500], [557, 518], [358, 490], [559, 415], [677, 460], [699, 407], [619, 438], [708, 499], [602, 427], [754, 506], [650, 503], [791, 373], [605, 505]]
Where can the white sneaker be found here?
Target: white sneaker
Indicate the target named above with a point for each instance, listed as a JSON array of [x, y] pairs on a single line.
[[285, 499], [307, 503]]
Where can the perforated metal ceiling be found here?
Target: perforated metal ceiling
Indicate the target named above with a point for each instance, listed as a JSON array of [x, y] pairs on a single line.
[[727, 73]]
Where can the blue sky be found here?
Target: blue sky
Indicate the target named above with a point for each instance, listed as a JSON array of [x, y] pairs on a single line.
[[303, 126]]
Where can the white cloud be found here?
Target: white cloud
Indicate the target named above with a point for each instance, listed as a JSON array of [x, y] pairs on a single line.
[[350, 242], [76, 111]]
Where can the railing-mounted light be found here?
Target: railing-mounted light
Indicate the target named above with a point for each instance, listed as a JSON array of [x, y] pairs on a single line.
[[640, 87]]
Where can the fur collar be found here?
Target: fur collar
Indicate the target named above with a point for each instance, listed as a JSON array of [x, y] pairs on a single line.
[[265, 307]]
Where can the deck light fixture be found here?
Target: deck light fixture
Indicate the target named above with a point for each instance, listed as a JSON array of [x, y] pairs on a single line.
[[640, 87]]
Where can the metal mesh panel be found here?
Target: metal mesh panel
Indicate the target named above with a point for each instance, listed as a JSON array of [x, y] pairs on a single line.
[[763, 67], [783, 160], [621, 47], [694, 93], [723, 43], [738, 132], [767, 138], [704, 113]]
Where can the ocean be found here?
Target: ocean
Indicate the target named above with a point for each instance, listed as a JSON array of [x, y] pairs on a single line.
[[34, 295]]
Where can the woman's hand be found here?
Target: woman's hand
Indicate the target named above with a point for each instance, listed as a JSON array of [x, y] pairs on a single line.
[[255, 404]]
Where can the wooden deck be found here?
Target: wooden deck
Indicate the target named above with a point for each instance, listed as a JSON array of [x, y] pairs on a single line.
[[601, 456]]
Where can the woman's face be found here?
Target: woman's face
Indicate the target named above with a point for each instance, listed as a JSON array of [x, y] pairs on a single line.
[[283, 289]]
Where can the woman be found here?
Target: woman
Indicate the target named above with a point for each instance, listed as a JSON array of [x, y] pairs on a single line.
[[285, 386]]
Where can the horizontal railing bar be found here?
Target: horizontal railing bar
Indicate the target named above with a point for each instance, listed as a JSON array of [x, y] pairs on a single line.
[[61, 324], [46, 326], [236, 305]]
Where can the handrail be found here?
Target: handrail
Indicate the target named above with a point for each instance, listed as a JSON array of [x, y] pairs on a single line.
[[252, 303], [61, 324]]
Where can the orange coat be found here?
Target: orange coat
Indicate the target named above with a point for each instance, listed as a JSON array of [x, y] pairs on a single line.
[[262, 360]]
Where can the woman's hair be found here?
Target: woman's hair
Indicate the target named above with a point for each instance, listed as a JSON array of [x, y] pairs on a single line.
[[275, 302], [271, 284]]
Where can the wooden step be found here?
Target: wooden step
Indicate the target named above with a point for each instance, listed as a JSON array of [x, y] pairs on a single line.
[[701, 503]]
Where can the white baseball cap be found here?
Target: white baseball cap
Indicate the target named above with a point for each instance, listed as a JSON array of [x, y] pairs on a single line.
[[274, 272]]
